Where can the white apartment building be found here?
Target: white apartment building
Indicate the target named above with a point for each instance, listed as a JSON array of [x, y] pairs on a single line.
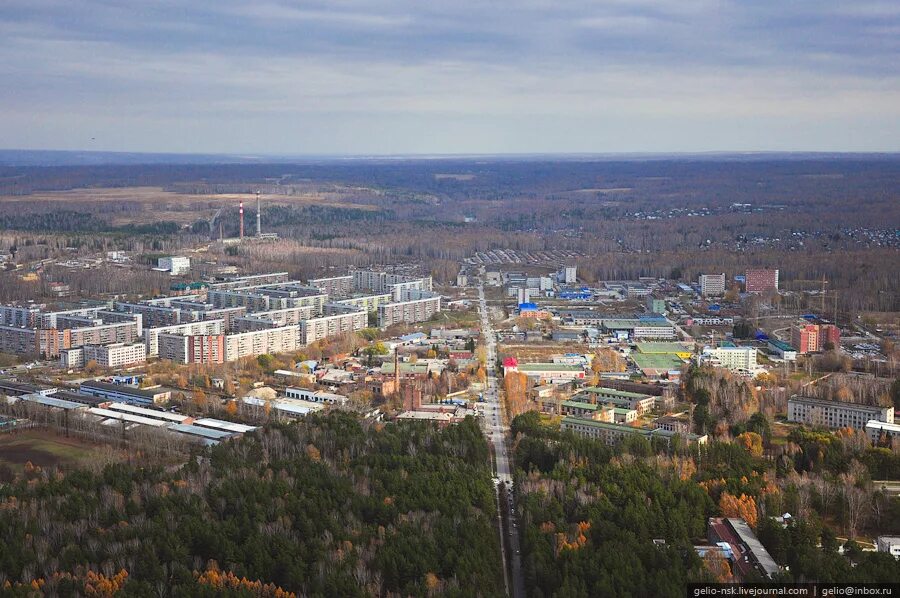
[[834, 414], [416, 310], [260, 342], [175, 265], [108, 356], [736, 359], [315, 329], [712, 285], [335, 286]]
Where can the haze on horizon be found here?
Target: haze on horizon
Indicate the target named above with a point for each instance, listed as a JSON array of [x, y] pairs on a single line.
[[400, 77]]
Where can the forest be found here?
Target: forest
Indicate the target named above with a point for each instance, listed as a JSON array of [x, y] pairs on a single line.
[[332, 506], [599, 521], [810, 216]]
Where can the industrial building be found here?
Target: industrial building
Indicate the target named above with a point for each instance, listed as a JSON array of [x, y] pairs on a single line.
[[124, 394], [315, 396], [749, 558]]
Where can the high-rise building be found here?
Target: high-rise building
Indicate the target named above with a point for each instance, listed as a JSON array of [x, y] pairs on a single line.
[[571, 275], [829, 333], [760, 280], [805, 338], [712, 285]]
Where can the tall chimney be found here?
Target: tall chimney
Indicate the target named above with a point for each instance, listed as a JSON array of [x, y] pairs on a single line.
[[397, 370], [242, 219], [258, 221]]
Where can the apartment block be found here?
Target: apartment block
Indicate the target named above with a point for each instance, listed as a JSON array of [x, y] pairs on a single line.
[[836, 414], [108, 356], [315, 329], [416, 310], [33, 341], [712, 285], [192, 348], [151, 335], [760, 280], [251, 280], [805, 338], [20, 317], [367, 303], [260, 342], [335, 286], [104, 334]]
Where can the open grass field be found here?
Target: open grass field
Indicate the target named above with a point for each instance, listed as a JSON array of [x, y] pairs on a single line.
[[44, 449], [144, 205]]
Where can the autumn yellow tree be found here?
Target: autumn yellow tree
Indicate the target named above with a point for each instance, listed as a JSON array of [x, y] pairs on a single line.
[[742, 506], [752, 443]]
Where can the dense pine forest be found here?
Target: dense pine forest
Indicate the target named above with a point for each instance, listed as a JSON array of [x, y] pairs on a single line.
[[604, 522], [328, 507]]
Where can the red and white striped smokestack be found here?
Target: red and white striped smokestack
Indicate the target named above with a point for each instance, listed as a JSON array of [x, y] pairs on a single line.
[[242, 219]]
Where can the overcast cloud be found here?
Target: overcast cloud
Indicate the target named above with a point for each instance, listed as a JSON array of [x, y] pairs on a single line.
[[462, 76]]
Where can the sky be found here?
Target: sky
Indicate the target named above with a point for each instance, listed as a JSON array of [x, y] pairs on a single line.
[[443, 77]]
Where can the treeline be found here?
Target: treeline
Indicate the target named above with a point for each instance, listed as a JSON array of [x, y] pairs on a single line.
[[68, 221], [326, 507]]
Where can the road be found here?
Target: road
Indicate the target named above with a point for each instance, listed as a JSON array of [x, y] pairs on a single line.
[[496, 430]]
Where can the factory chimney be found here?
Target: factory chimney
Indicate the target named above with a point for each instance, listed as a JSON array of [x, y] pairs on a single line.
[[242, 219], [258, 221]]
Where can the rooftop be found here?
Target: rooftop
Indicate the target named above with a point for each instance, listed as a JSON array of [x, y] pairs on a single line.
[[549, 367]]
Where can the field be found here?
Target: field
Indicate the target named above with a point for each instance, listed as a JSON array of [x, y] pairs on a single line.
[[144, 205], [43, 449]]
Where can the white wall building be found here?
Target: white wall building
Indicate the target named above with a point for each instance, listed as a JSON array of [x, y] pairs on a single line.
[[736, 359], [175, 265], [835, 414]]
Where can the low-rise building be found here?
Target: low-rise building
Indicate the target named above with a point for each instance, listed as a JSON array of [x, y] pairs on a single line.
[[781, 349], [890, 545], [879, 431], [315, 396], [612, 434], [641, 403], [123, 393], [750, 558]]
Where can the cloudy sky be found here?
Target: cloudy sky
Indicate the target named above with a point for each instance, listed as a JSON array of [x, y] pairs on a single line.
[[450, 76]]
